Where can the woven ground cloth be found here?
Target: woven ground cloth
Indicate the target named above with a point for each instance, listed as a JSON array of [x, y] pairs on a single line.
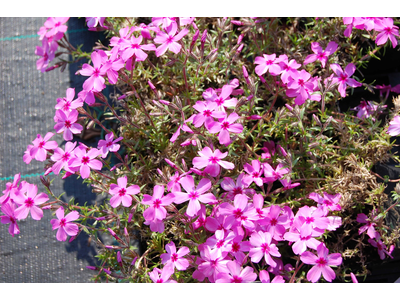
[[27, 100]]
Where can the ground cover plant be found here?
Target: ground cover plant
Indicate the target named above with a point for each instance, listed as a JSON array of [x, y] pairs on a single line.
[[236, 162]]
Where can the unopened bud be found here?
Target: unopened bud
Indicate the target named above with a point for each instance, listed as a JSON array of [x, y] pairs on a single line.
[[195, 37], [240, 38], [245, 73], [316, 119], [239, 49], [203, 37], [289, 107], [153, 88], [45, 181], [238, 23]]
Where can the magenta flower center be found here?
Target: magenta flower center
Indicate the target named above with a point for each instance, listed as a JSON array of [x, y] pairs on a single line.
[[170, 39], [66, 106], [207, 113], [160, 280], [66, 156], [213, 159], [122, 192], [67, 124], [174, 257], [237, 190], [309, 220], [219, 101], [305, 238], [343, 77], [388, 30], [265, 248], [156, 203], [255, 174], [96, 72], [237, 213], [269, 62], [29, 202], [225, 125], [41, 144], [193, 195], [235, 247], [321, 56], [63, 222], [85, 160], [301, 82], [321, 262], [213, 263], [274, 221], [109, 144], [220, 243], [134, 46], [236, 279]]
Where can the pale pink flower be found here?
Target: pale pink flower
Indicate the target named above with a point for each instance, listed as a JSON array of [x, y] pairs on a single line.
[[62, 158], [237, 274], [238, 188], [64, 224], [328, 201], [109, 144], [224, 127], [212, 161], [68, 103], [67, 123], [156, 203], [175, 258], [12, 190], [264, 278], [223, 98], [56, 24], [207, 111], [267, 63], [322, 263], [121, 193], [132, 47], [47, 54], [275, 222], [29, 201], [254, 172], [343, 78], [272, 174], [303, 237], [287, 67], [213, 263], [299, 86], [169, 40], [92, 22], [96, 73], [193, 194], [394, 126], [86, 160], [162, 276], [41, 146], [262, 246]]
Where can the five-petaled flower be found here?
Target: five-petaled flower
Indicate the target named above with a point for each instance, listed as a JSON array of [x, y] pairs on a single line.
[[121, 193], [212, 161], [64, 224]]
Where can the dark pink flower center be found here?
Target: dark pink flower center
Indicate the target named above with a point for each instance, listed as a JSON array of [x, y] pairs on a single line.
[[237, 213], [213, 263], [305, 238], [66, 106], [236, 279], [237, 190], [343, 77], [29, 202], [174, 257], [301, 82], [309, 220], [109, 144], [96, 72], [63, 222], [219, 101], [160, 280], [388, 30], [269, 62], [170, 39], [207, 113], [41, 144], [235, 247], [220, 243], [193, 195], [66, 156], [321, 262], [274, 221], [213, 159], [255, 174], [134, 46], [321, 56], [122, 192], [156, 203], [265, 248], [67, 124], [85, 160], [225, 125]]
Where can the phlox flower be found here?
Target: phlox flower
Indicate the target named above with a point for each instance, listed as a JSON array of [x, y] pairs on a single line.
[[47, 54], [369, 226], [220, 240], [64, 224], [327, 201], [267, 63], [367, 108], [169, 39], [287, 67], [287, 184], [86, 160], [68, 103], [174, 184], [8, 209], [299, 86], [212, 161], [162, 276], [67, 123], [62, 158], [380, 245], [258, 203], [56, 24], [272, 174], [254, 172], [302, 237], [164, 21], [274, 222], [269, 150], [41, 146], [121, 193], [207, 111], [96, 73], [156, 203], [315, 218], [394, 126], [132, 47], [183, 127], [92, 22], [238, 188], [175, 258], [320, 54], [194, 195], [213, 263], [387, 31], [145, 30], [113, 64], [322, 263], [262, 246], [222, 99], [12, 189], [237, 274], [343, 77], [29, 201], [27, 158], [264, 278], [224, 127], [109, 144]]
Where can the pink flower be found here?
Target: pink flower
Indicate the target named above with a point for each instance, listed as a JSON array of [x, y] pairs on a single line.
[[109, 144], [302, 237], [96, 73], [121, 193], [47, 54], [394, 126], [132, 47], [343, 78], [322, 263], [169, 40], [237, 274], [299, 86], [157, 203], [319, 54], [62, 158], [254, 172], [8, 209], [369, 226], [92, 22], [86, 160], [12, 189], [367, 108], [262, 246], [271, 175], [267, 63], [213, 263], [67, 123], [264, 278], [222, 99], [224, 127], [238, 188], [29, 201], [174, 258], [287, 67], [387, 31], [68, 103], [328, 201], [64, 224], [212, 162], [162, 276], [380, 245], [194, 195], [56, 24], [206, 113], [41, 146]]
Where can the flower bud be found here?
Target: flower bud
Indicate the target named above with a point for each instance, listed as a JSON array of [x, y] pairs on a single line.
[[195, 37], [240, 38], [238, 23]]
